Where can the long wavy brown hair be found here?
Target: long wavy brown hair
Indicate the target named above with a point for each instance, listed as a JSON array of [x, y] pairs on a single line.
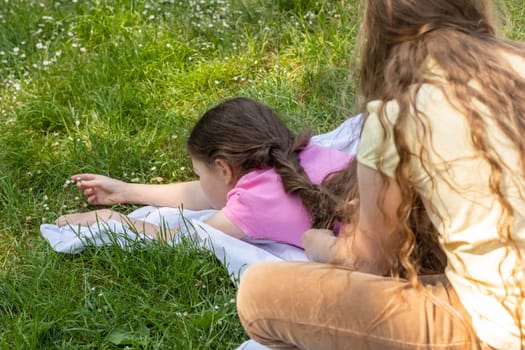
[[426, 256], [461, 38]]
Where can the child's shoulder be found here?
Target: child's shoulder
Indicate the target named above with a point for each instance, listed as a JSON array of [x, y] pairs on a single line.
[[319, 161], [316, 153]]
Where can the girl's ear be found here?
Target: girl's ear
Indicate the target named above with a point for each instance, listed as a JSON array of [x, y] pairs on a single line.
[[225, 171]]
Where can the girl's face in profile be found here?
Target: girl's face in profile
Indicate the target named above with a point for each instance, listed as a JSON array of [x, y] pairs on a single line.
[[214, 182]]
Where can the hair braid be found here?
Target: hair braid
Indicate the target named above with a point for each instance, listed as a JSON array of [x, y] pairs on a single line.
[[295, 180]]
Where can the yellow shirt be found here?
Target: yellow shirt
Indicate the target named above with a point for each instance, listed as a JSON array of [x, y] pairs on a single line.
[[456, 195]]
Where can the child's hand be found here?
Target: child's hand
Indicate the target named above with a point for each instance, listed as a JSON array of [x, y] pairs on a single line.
[[317, 244], [88, 218], [100, 189]]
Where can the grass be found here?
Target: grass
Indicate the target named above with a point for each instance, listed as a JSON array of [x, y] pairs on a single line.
[[114, 87]]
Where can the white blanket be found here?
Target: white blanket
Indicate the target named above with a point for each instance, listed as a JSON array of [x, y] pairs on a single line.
[[235, 254]]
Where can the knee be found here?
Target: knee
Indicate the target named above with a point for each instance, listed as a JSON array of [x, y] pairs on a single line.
[[252, 288]]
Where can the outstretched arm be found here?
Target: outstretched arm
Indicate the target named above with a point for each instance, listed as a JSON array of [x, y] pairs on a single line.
[[103, 190], [105, 215], [218, 221]]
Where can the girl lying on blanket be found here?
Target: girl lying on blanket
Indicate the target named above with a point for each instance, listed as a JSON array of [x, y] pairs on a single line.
[[266, 182]]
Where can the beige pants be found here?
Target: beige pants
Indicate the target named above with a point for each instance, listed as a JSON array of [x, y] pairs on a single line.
[[317, 306]]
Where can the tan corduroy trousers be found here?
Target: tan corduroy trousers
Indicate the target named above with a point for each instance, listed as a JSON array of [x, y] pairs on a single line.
[[318, 306]]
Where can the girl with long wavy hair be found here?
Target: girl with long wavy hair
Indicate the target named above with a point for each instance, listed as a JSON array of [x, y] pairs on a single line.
[[444, 96]]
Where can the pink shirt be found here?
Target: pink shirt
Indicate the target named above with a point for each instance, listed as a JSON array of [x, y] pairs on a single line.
[[259, 206]]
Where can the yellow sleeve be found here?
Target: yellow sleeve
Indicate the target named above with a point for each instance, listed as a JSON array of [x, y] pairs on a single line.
[[376, 147]]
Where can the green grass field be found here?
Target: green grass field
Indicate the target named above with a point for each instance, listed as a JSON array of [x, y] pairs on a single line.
[[114, 87]]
